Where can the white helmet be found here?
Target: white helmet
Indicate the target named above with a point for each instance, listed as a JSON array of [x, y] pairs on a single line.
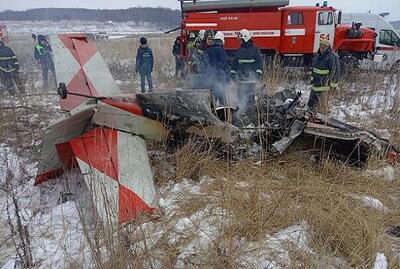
[[201, 34], [219, 35], [244, 34]]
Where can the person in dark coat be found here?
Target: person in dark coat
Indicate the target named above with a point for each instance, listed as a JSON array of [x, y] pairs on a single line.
[[199, 63], [208, 39], [9, 69], [179, 60], [42, 53], [218, 67], [325, 77], [247, 69], [144, 64]]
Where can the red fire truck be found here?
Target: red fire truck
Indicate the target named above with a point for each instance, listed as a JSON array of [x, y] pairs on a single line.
[[291, 32]]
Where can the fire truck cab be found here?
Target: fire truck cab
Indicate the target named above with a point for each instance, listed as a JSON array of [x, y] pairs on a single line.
[[288, 31]]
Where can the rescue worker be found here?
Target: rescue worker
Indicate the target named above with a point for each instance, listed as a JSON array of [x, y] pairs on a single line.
[[144, 65], [179, 61], [201, 35], [190, 45], [199, 63], [218, 67], [9, 69], [247, 70], [42, 54], [325, 77], [208, 39]]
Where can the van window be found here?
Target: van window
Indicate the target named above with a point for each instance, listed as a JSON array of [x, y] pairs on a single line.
[[295, 18], [325, 18], [388, 37]]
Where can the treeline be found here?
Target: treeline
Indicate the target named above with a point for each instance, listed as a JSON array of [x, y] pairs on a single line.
[[395, 24], [160, 16]]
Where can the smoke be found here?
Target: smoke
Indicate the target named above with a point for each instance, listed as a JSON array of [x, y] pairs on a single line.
[[226, 92]]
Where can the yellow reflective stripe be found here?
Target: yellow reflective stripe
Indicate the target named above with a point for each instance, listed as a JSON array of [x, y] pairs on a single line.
[[8, 58], [246, 61], [311, 78], [333, 84], [259, 71], [321, 71], [321, 89], [7, 70]]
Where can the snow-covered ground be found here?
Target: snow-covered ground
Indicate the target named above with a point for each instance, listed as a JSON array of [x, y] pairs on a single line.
[[114, 29]]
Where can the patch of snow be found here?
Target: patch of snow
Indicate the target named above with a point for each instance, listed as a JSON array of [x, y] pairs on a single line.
[[380, 261], [371, 202], [272, 252], [387, 172], [113, 29], [205, 225], [55, 229]]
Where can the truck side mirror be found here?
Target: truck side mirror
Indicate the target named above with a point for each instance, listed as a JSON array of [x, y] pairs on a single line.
[[340, 17]]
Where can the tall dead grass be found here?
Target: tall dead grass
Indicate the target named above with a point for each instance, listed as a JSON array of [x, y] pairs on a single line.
[[260, 200]]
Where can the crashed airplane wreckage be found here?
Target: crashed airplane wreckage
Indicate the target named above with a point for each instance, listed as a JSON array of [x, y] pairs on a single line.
[[104, 131]]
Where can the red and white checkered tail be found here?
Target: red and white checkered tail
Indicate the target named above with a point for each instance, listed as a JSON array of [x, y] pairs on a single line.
[[80, 66], [117, 170]]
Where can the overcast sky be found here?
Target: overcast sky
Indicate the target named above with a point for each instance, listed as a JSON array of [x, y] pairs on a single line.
[[376, 6]]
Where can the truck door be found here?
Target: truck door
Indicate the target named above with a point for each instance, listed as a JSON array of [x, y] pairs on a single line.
[[324, 28], [389, 48], [294, 32]]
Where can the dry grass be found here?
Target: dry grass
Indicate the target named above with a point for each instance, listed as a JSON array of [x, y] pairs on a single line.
[[257, 199], [291, 189], [260, 200]]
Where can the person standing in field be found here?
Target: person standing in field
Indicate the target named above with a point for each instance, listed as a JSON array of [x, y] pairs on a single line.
[[324, 78], [247, 70], [42, 53], [144, 65], [9, 69], [218, 67], [179, 60], [199, 63]]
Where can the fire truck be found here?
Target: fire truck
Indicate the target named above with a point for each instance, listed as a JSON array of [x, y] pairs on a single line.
[[290, 32]]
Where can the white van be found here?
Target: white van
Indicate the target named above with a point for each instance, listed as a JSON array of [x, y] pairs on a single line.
[[387, 42]]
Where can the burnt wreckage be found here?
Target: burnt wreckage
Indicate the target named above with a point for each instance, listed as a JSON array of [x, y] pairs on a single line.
[[104, 132], [277, 122]]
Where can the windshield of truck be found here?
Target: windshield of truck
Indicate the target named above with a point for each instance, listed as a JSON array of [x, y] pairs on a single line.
[[325, 18]]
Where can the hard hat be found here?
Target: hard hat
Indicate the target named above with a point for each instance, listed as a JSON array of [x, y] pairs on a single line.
[[201, 34], [208, 33], [143, 40], [324, 42], [219, 35], [244, 34]]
